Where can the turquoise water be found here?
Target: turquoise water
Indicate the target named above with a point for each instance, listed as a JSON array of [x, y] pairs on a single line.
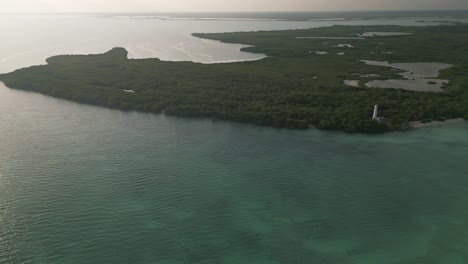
[[82, 184]]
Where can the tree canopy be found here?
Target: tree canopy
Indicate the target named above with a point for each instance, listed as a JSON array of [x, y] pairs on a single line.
[[293, 87]]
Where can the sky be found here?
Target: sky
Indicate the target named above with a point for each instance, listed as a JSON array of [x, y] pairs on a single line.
[[7, 6]]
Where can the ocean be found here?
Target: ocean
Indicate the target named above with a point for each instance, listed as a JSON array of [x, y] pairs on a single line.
[[84, 184]]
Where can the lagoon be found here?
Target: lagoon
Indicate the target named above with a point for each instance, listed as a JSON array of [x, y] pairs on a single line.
[[383, 34], [416, 76]]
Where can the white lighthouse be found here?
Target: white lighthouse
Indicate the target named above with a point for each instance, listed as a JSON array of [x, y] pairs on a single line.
[[375, 116]]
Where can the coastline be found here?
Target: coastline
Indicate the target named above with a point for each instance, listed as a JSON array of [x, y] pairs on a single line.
[[253, 92], [419, 124]]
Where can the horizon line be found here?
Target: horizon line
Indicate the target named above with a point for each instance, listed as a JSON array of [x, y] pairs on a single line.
[[221, 12]]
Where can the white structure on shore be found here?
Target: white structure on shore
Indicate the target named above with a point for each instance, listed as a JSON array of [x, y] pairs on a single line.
[[376, 112], [375, 115]]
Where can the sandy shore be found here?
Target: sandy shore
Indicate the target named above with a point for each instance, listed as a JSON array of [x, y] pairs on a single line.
[[419, 124]]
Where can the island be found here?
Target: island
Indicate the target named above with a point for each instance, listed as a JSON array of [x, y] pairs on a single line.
[[308, 78]]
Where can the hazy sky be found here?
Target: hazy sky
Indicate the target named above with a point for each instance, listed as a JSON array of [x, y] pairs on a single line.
[[222, 5]]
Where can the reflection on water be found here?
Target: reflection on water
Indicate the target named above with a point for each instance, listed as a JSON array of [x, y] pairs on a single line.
[[36, 38], [83, 184]]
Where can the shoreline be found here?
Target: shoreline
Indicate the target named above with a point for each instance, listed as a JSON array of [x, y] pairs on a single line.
[[410, 125], [252, 92], [419, 124]]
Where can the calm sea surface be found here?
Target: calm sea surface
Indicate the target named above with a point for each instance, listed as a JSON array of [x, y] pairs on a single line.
[[83, 184], [29, 40]]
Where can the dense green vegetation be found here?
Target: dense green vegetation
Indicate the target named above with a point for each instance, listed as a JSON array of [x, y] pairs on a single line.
[[292, 87]]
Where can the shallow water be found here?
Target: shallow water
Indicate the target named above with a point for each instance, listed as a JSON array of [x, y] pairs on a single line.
[[82, 184], [417, 76], [353, 83], [337, 38], [344, 46], [383, 34], [420, 85], [421, 69]]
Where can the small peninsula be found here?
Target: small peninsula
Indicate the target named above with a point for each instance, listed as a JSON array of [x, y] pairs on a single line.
[[301, 82]]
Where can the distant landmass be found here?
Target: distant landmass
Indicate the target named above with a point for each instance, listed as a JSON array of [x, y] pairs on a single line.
[[296, 16], [304, 80]]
